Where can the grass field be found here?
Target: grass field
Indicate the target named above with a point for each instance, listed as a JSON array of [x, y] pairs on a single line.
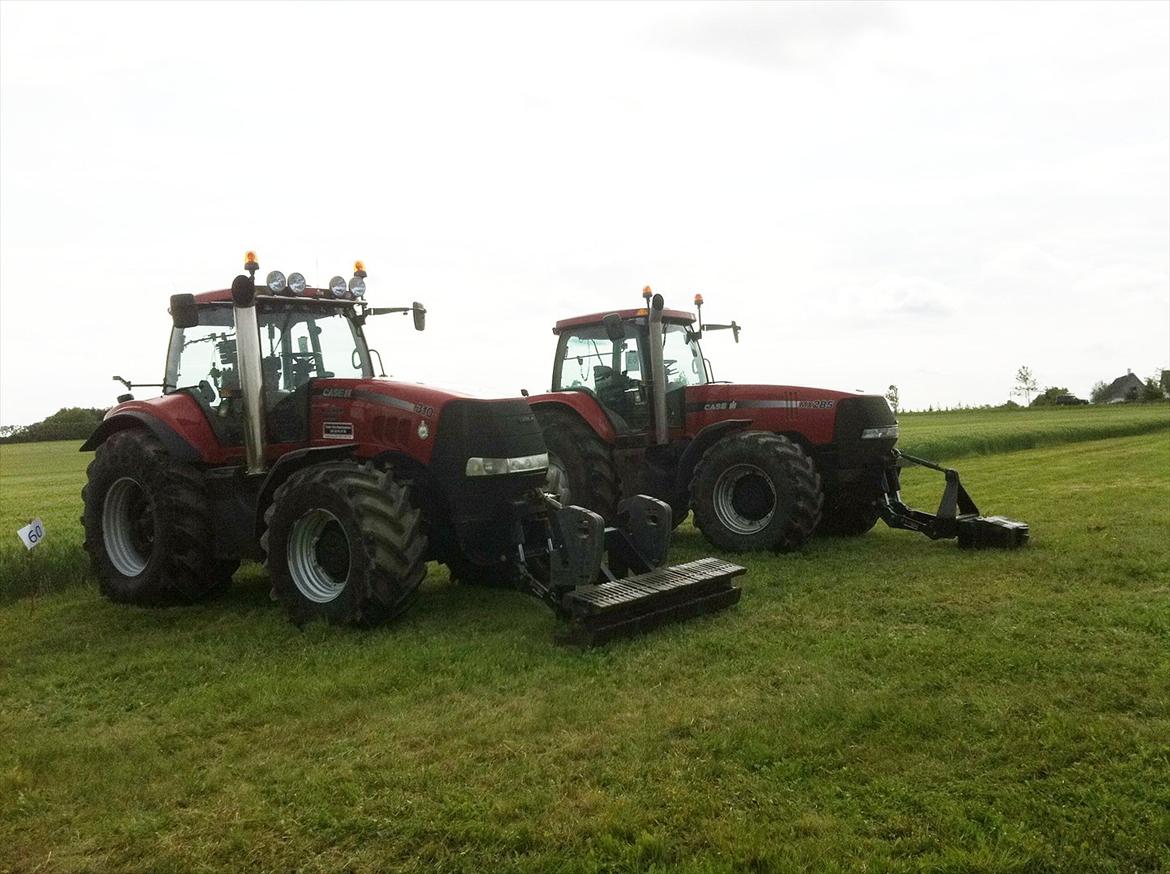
[[883, 702]]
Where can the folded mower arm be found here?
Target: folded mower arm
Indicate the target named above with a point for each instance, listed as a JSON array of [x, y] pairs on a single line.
[[957, 514]]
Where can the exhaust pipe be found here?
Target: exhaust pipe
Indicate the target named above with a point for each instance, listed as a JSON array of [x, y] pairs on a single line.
[[658, 372], [248, 355]]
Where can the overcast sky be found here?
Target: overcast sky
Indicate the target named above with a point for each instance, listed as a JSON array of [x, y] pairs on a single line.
[[923, 194]]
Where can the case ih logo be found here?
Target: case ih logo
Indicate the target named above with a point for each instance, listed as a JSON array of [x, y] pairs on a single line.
[[720, 405], [336, 392]]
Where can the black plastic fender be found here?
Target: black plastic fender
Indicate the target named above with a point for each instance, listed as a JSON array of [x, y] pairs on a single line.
[[703, 441], [288, 464], [176, 446]]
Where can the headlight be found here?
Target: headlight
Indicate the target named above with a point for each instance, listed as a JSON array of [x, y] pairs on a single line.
[[357, 287], [887, 432], [337, 286], [500, 466], [276, 282], [296, 283]]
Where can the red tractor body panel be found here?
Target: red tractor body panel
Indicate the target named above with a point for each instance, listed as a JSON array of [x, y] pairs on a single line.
[[584, 405], [181, 413], [378, 415], [810, 412]]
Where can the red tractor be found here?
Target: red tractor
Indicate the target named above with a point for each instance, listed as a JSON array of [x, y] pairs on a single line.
[[634, 410], [273, 440]]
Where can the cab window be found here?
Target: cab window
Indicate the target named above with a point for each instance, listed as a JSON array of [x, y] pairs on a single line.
[[682, 358]]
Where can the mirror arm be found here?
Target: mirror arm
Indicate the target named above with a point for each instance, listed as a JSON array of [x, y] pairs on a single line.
[[131, 386]]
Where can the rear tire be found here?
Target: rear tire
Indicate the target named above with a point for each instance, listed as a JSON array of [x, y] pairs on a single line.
[[581, 469], [148, 524], [754, 490], [345, 544]]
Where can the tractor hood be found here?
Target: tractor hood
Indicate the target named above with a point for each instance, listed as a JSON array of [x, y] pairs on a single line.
[[817, 413], [388, 415]]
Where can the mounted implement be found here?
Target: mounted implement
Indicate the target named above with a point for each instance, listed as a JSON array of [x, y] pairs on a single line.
[[273, 440], [634, 409]]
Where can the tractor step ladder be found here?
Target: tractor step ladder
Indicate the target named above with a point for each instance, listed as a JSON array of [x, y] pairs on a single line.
[[627, 607]]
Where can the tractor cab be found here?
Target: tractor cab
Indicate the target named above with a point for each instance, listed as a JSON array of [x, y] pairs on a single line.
[[607, 356], [306, 335]]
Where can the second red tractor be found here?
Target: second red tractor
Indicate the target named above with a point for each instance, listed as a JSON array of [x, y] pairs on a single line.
[[635, 409]]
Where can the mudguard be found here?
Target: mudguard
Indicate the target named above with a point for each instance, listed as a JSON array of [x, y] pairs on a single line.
[[584, 404], [175, 445], [702, 442], [288, 464]]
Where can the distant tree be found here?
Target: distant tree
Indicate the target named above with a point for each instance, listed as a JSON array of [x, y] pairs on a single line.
[[1164, 381], [1098, 393], [69, 423], [1153, 390], [1026, 384], [892, 397], [1048, 397]]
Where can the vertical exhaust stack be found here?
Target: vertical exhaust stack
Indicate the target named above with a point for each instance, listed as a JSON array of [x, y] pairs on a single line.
[[248, 355], [658, 372]]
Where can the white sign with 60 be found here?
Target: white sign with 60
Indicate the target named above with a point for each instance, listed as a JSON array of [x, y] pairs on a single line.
[[32, 533]]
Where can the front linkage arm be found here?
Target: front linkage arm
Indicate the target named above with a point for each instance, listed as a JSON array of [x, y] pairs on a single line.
[[957, 514]]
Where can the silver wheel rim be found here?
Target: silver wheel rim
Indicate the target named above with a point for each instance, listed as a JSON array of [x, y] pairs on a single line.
[[745, 499], [313, 580], [127, 514], [556, 481]]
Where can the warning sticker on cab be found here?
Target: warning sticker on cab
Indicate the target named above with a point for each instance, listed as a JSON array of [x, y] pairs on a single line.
[[338, 431]]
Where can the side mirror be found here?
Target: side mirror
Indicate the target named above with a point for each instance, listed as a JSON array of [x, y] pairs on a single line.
[[184, 312], [614, 329], [420, 316]]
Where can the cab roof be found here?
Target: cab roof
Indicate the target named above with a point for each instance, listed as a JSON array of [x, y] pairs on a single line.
[[624, 315], [321, 295]]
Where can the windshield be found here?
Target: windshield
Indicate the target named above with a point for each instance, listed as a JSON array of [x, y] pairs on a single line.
[[298, 342], [681, 357]]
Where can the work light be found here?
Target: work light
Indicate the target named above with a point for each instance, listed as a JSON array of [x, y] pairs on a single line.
[[276, 282], [337, 286], [357, 287], [296, 283]]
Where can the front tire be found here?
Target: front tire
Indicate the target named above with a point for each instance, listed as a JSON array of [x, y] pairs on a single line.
[[754, 490], [148, 524], [345, 544], [581, 469]]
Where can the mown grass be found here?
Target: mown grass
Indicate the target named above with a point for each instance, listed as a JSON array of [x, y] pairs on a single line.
[[882, 702]]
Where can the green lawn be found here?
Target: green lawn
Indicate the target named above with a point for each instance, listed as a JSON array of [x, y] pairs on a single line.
[[959, 433], [882, 702]]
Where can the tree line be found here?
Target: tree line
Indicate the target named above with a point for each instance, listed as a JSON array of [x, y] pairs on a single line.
[[68, 423]]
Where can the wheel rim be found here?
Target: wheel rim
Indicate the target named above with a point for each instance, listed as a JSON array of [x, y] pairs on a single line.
[[745, 499], [128, 526], [318, 556], [556, 481]]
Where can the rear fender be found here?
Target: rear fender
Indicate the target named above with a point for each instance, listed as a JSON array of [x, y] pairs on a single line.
[[174, 443], [703, 441], [581, 403]]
